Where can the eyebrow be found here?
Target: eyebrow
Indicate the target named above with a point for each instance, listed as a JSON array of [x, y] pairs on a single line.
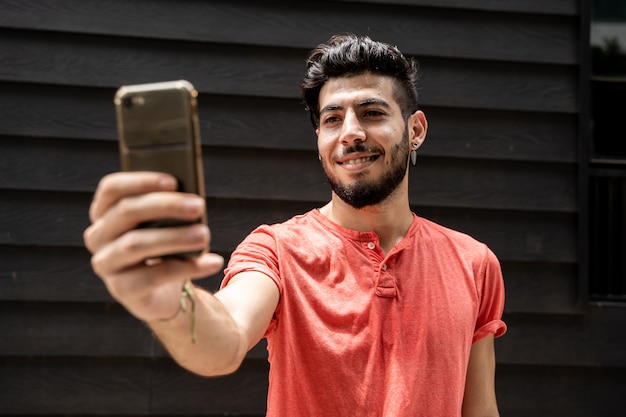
[[362, 103]]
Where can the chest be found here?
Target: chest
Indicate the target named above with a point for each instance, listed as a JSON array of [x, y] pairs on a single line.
[[371, 298]]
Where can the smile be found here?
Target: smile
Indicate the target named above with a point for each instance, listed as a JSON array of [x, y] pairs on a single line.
[[359, 160]]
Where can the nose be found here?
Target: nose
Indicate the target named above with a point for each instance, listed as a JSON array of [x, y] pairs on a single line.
[[351, 129]]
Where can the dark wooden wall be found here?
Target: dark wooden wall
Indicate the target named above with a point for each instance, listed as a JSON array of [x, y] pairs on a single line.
[[501, 87]]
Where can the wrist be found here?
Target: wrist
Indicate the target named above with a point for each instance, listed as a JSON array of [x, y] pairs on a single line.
[[186, 306]]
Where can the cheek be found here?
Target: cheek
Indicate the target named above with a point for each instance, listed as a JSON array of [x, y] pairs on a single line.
[[324, 147]]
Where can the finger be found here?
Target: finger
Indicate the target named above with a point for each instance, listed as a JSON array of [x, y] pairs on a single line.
[[141, 280], [153, 291], [130, 212], [144, 279], [138, 245], [116, 186]]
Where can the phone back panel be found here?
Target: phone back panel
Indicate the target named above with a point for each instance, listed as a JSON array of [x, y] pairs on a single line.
[[158, 131]]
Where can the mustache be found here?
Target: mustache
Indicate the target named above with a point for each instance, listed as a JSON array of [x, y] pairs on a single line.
[[359, 147]]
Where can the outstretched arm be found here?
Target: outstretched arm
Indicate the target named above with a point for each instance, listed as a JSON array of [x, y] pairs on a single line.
[[128, 261]]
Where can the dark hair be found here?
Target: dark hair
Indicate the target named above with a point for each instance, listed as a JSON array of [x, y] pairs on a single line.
[[349, 55]]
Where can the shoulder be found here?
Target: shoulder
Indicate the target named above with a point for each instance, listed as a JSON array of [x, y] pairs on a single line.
[[456, 243], [272, 236], [294, 226], [440, 234], [308, 227], [270, 247]]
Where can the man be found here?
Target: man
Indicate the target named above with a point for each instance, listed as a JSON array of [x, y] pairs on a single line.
[[368, 309]]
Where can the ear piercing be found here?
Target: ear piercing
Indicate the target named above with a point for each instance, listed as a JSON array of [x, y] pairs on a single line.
[[414, 153]]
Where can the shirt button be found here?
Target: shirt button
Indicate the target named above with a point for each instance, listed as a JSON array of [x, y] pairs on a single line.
[[384, 267], [371, 245]]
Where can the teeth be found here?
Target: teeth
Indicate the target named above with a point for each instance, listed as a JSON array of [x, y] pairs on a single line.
[[358, 161]]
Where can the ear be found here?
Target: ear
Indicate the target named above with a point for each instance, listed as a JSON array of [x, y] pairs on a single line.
[[418, 126], [317, 134]]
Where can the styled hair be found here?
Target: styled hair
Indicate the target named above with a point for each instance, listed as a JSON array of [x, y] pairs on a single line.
[[348, 55]]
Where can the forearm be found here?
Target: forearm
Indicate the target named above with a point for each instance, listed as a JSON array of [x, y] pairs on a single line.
[[480, 394], [220, 344]]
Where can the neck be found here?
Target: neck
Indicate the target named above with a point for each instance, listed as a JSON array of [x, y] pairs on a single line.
[[390, 219]]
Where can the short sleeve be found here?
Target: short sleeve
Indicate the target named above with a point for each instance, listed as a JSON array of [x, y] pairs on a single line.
[[257, 253], [490, 285]]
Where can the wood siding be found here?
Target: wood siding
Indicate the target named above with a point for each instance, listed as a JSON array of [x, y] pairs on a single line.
[[501, 88]]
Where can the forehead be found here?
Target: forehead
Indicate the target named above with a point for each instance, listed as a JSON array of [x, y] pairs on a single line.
[[349, 90]]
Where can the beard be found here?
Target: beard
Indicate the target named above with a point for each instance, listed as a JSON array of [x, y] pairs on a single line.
[[363, 193]]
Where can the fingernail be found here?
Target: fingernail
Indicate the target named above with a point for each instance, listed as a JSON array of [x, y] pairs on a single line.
[[167, 183], [211, 260], [199, 233], [193, 205]]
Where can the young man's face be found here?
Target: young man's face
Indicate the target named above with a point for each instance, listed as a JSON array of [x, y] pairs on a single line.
[[363, 140]]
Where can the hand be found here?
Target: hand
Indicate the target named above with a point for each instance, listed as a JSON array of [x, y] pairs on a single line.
[[128, 259]]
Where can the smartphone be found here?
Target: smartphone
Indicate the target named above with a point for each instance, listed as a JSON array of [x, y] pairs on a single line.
[[158, 130]]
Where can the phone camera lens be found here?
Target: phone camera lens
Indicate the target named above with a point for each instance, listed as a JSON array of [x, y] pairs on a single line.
[[128, 102]]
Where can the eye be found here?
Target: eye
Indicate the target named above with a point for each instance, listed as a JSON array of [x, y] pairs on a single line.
[[373, 113], [330, 119]]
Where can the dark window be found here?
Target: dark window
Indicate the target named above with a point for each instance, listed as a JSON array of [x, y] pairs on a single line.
[[607, 182]]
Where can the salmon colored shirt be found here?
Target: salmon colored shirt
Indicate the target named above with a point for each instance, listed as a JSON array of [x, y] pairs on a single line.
[[360, 333]]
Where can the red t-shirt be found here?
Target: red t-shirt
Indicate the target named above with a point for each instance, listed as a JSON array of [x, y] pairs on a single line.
[[360, 333]]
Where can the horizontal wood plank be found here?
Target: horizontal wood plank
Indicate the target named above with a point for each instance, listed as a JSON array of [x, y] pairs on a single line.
[[99, 386], [536, 288], [440, 32], [98, 61], [235, 173], [505, 135], [558, 7], [559, 391], [514, 236], [243, 393], [493, 184], [64, 274], [74, 386], [50, 111], [114, 386], [588, 339], [106, 330], [499, 86], [59, 219], [73, 329], [60, 274], [64, 59], [88, 329]]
